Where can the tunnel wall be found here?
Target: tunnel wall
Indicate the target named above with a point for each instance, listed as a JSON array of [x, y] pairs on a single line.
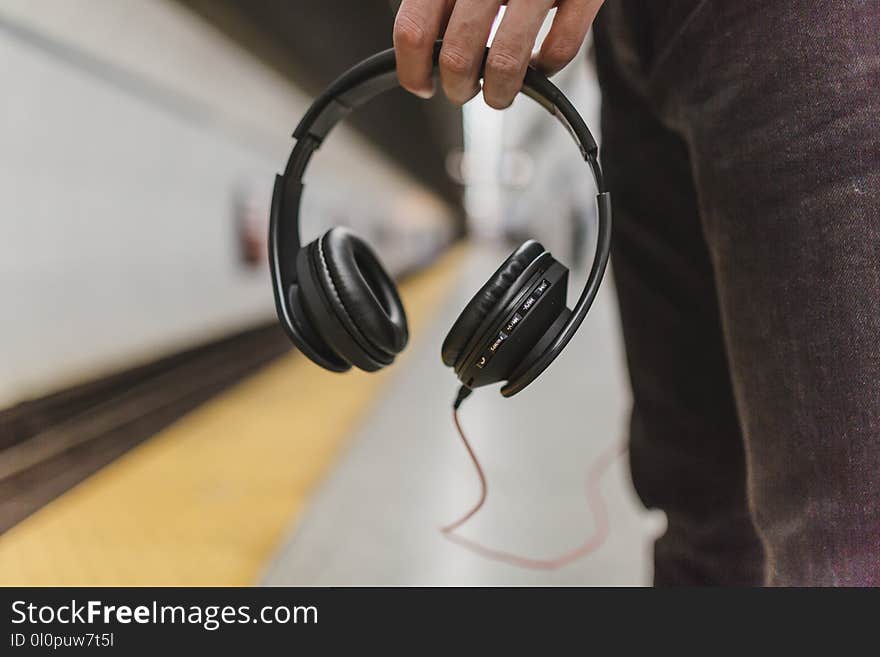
[[137, 150]]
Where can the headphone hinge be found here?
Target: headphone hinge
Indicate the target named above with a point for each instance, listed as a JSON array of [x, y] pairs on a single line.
[[332, 113]]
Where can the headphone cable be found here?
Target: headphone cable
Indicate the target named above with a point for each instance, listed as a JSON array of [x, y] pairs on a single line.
[[595, 474]]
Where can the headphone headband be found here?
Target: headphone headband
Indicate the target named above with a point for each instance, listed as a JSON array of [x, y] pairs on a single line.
[[358, 86], [378, 74]]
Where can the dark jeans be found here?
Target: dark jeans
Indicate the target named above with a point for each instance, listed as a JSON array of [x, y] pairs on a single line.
[[741, 141]]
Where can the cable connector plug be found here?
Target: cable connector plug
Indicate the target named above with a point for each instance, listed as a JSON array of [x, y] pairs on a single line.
[[463, 393]]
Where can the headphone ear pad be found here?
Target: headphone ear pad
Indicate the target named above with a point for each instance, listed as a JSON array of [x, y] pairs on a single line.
[[352, 299], [485, 301]]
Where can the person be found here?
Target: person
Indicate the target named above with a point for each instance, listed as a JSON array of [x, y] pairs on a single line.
[[741, 144]]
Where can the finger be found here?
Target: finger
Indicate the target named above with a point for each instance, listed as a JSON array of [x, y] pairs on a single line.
[[463, 47], [564, 41], [418, 25], [512, 49]]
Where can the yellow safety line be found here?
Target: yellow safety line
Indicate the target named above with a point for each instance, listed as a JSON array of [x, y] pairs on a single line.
[[207, 501]]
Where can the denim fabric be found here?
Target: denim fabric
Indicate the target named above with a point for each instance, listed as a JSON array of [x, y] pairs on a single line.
[[741, 142]]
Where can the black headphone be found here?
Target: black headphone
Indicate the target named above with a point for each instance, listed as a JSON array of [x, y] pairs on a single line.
[[340, 307]]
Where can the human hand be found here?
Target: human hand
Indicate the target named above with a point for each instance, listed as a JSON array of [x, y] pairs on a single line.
[[464, 26]]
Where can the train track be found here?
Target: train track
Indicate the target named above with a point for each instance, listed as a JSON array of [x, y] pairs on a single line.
[[49, 445]]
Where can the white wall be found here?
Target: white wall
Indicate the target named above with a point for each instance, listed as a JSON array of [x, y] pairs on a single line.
[[127, 130], [561, 182], [527, 175]]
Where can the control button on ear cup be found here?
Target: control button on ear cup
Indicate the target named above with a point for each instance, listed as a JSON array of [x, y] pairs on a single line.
[[484, 302]]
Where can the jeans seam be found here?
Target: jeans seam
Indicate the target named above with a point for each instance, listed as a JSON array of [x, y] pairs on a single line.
[[667, 50]]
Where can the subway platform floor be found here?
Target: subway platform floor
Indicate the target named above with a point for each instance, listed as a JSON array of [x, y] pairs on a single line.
[[297, 476], [374, 519]]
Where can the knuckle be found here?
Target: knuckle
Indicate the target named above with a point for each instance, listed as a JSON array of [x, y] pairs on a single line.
[[453, 61], [504, 64], [409, 34]]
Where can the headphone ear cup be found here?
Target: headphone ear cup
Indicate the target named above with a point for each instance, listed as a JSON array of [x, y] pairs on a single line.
[[352, 300], [486, 300]]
